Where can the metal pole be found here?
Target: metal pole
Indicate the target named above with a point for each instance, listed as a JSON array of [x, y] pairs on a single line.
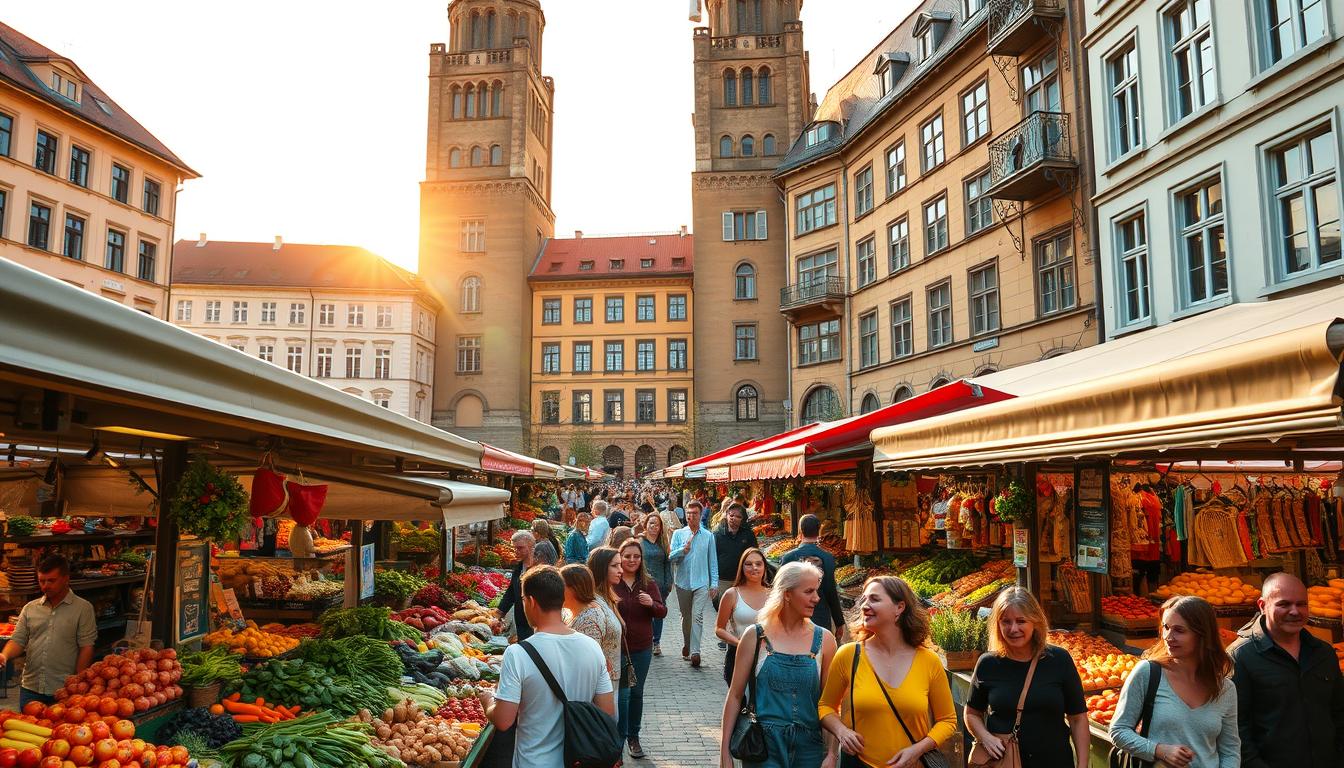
[[165, 545]]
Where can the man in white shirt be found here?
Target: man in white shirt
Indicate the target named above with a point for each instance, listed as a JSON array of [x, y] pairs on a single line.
[[696, 578], [523, 699], [600, 527]]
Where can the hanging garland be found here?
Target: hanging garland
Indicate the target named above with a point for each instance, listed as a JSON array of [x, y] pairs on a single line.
[[210, 503], [1013, 503]]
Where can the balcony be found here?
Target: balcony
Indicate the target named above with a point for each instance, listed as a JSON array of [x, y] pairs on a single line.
[[1025, 161], [1017, 25], [813, 298]]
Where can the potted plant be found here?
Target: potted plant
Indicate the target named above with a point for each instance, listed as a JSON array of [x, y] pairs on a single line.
[[961, 637], [210, 503]]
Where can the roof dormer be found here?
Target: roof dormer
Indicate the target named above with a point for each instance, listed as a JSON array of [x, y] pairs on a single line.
[[930, 29], [890, 67], [62, 81]]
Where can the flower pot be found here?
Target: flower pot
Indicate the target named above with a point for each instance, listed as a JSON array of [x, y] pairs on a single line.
[[959, 661]]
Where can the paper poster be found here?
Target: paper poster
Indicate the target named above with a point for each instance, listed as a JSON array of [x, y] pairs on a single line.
[[1021, 536], [366, 572], [1092, 521]]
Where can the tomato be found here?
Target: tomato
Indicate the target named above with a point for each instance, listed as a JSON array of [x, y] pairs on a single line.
[[105, 749], [75, 714], [163, 756], [81, 736], [30, 757], [34, 708], [124, 752], [123, 729], [81, 755], [9, 758], [149, 759], [125, 707], [56, 712], [108, 706], [51, 762], [180, 755], [101, 730], [56, 748]]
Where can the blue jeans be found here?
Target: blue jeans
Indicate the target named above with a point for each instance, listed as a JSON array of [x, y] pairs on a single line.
[[26, 696], [631, 705]]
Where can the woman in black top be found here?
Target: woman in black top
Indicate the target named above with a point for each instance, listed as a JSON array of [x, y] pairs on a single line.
[[1055, 710]]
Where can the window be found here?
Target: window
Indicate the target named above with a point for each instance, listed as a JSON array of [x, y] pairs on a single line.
[[115, 256], [296, 313], [121, 183], [421, 357], [583, 310], [323, 363], [644, 309], [868, 340], [745, 337], [1190, 48], [1040, 85], [896, 169], [743, 225], [4, 206], [646, 409], [454, 158], [1122, 73], [676, 306], [975, 113], [1306, 197], [586, 265], [294, 358], [768, 145], [382, 359], [615, 362], [150, 201], [748, 89], [902, 328], [1288, 26], [902, 394], [471, 297], [550, 407], [468, 355], [730, 88], [926, 45], [496, 154], [676, 406], [748, 403], [1054, 273], [898, 245], [744, 282], [583, 407], [984, 296], [935, 225], [616, 265], [212, 311], [748, 146], [764, 96], [550, 311], [820, 404], [614, 410], [819, 342], [865, 256], [382, 399], [384, 316], [645, 355], [973, 7], [326, 314], [354, 315], [147, 256], [583, 357], [815, 209], [940, 315], [6, 134], [268, 313], [725, 146], [44, 156], [1203, 251], [73, 246], [870, 403], [79, 165], [266, 353], [239, 312], [979, 206], [931, 143], [473, 235], [1131, 243], [819, 268], [863, 191], [477, 154], [354, 362], [39, 225], [676, 354], [615, 309]]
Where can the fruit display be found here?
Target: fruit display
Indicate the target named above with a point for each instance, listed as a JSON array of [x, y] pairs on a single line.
[[1218, 590], [121, 685], [1101, 706], [1325, 601], [978, 585], [28, 744], [850, 575], [1130, 609], [1100, 664], [251, 577], [307, 629], [463, 710], [780, 548], [252, 641]]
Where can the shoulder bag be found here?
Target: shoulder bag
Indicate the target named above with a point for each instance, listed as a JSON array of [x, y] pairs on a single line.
[[1122, 759], [592, 737], [748, 739], [1012, 755]]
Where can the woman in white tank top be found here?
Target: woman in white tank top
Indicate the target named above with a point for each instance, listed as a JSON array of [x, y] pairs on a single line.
[[739, 604]]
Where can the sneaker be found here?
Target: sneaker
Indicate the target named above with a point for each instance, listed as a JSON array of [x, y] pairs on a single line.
[[657, 649], [636, 751]]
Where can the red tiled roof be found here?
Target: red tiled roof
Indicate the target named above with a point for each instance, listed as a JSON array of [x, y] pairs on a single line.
[[566, 257], [294, 265], [94, 105]]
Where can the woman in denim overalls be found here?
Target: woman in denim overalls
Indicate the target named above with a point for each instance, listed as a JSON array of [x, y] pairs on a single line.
[[794, 656]]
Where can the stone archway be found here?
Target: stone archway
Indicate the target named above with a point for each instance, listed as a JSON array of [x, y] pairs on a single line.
[[613, 460], [645, 458]]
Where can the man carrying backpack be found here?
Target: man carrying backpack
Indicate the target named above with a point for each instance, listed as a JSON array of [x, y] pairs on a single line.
[[549, 731]]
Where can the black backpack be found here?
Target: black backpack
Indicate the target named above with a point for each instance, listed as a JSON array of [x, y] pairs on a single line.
[[592, 737]]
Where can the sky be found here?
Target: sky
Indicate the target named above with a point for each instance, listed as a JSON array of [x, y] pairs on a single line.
[[307, 118]]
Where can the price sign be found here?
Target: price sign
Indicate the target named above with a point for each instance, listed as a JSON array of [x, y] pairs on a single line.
[[192, 590]]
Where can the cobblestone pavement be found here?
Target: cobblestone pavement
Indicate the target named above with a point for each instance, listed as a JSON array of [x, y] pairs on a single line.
[[683, 706]]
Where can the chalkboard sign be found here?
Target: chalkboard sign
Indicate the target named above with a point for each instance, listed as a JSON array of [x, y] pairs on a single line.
[[1092, 519], [192, 590]]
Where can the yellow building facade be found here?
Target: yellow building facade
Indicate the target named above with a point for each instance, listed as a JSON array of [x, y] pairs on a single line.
[[612, 346]]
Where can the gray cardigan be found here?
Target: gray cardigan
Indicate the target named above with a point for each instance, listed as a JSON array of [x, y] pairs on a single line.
[[1210, 731]]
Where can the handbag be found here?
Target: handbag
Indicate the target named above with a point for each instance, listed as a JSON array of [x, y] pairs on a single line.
[[628, 676], [1122, 759], [748, 740], [1012, 755], [931, 759]]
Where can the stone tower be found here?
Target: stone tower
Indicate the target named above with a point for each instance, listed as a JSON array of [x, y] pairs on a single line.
[[751, 101], [485, 208]]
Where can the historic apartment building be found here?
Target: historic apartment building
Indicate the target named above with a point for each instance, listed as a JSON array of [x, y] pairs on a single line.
[[1217, 141], [613, 346], [938, 210], [87, 194], [337, 313], [751, 99], [485, 210]]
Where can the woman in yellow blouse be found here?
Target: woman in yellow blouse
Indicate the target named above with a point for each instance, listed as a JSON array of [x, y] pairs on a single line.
[[895, 672]]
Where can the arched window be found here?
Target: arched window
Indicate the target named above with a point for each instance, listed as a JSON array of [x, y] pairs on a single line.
[[763, 85], [676, 454], [471, 294], [497, 99], [613, 459], [484, 91], [476, 156], [748, 403], [457, 102], [759, 18], [645, 456], [454, 158], [870, 403], [730, 88], [726, 146], [768, 144], [902, 394], [477, 29], [745, 282], [471, 100], [490, 29], [550, 453], [748, 94], [821, 404], [496, 155], [941, 381], [748, 146], [985, 371]]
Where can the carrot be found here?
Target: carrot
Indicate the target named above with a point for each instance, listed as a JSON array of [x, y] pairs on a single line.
[[239, 708], [294, 710], [235, 696], [246, 718], [269, 719]]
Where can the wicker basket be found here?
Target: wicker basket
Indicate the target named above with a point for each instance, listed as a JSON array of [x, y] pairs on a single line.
[[204, 697], [959, 661]]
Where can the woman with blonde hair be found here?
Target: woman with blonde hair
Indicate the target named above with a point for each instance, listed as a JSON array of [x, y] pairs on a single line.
[[1023, 672], [1194, 715], [787, 664], [588, 615], [886, 683]]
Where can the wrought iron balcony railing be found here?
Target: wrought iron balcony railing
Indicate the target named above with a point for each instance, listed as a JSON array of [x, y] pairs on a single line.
[[1014, 25], [1022, 159], [812, 292]]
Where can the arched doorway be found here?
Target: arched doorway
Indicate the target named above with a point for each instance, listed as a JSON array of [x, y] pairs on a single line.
[[550, 453], [676, 454], [645, 457], [613, 460], [470, 412]]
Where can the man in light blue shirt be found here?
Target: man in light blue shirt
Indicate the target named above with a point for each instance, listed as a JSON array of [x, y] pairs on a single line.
[[600, 527], [697, 578]]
